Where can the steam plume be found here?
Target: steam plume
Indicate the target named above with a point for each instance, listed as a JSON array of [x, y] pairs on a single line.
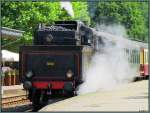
[[68, 7], [109, 66]]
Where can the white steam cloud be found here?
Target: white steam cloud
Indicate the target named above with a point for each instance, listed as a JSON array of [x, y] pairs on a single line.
[[68, 7], [109, 66]]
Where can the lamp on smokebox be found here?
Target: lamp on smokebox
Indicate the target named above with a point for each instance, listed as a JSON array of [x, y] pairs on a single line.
[[29, 74], [27, 85], [69, 73]]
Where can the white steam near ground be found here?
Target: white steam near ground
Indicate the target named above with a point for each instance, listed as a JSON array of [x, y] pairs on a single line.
[[109, 67]]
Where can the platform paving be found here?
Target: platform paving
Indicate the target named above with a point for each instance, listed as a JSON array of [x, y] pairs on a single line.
[[13, 90], [129, 97]]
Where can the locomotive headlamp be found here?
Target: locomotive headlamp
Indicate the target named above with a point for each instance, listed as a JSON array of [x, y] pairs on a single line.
[[69, 73], [27, 85], [29, 74]]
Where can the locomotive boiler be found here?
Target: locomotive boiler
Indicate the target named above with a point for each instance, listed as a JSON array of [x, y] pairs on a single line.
[[53, 65]]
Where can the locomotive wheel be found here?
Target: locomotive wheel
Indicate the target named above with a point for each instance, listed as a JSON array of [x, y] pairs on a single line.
[[30, 95], [147, 77], [70, 93], [141, 78], [136, 79], [36, 100], [75, 93], [40, 99], [43, 98]]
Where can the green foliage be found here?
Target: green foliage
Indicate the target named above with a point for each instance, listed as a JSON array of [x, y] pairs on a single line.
[[81, 11], [27, 15], [133, 15]]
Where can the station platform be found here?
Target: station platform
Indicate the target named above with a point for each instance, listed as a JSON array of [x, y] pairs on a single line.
[[13, 87], [13, 90], [130, 97]]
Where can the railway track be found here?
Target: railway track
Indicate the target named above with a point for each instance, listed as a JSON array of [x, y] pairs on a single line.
[[9, 102], [20, 103]]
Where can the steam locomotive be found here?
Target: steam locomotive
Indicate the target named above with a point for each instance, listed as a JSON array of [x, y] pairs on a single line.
[[53, 66]]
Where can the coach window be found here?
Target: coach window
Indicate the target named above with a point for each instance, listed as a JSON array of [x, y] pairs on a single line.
[[138, 57], [146, 60], [134, 57], [146, 57], [130, 57]]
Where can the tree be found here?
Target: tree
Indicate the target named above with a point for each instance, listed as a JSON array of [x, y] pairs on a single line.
[[27, 15], [133, 15], [81, 12]]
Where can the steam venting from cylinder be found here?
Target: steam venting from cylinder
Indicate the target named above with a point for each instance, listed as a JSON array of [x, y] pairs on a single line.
[[109, 67]]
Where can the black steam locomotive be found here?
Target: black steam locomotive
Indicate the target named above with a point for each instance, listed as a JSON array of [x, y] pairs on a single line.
[[53, 65]]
